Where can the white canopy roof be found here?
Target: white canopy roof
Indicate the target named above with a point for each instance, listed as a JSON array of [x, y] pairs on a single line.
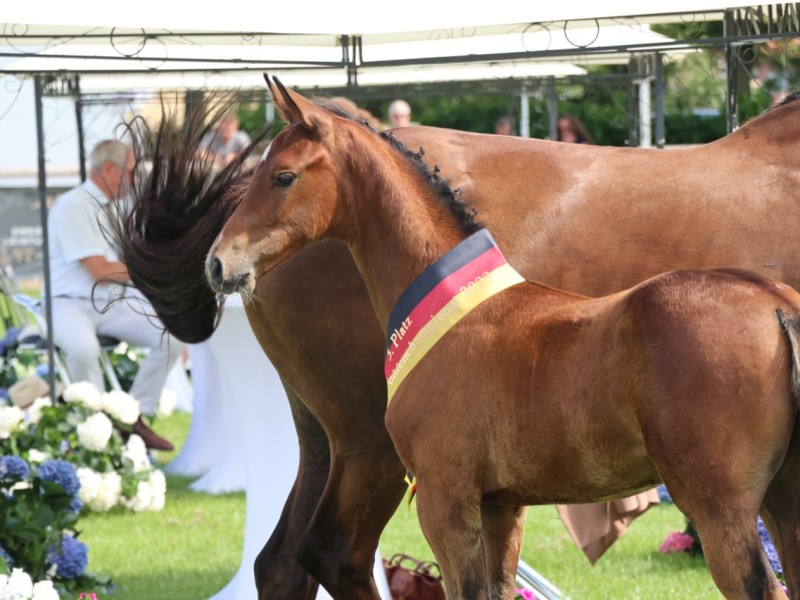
[[415, 18], [355, 40]]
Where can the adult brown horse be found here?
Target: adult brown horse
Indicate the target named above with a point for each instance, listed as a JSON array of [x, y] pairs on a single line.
[[587, 218], [691, 377]]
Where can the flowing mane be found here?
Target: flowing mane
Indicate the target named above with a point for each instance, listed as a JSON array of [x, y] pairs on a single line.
[[178, 208]]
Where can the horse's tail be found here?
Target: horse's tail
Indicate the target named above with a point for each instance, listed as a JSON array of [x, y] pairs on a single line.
[[177, 210], [791, 325]]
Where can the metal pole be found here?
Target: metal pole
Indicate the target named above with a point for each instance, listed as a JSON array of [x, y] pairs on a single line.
[[661, 140], [552, 109], [645, 115], [524, 113], [79, 122], [48, 308], [732, 73]]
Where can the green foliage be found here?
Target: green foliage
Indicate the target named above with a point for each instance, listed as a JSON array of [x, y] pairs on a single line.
[[467, 113], [694, 129], [38, 517], [126, 360]]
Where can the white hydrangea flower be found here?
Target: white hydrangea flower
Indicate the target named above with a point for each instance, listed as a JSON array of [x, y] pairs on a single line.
[[37, 456], [17, 586], [11, 418], [35, 409], [122, 406], [150, 495], [159, 483], [95, 432], [166, 403], [84, 393], [99, 491], [136, 452], [44, 590]]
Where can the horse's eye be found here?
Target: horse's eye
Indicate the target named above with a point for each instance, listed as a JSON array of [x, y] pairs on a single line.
[[285, 179]]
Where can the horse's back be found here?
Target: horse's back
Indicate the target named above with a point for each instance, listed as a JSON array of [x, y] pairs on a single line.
[[600, 219]]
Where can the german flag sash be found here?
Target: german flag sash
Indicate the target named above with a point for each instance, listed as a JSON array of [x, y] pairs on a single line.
[[443, 294]]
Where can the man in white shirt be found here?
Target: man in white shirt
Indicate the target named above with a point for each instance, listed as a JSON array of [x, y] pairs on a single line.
[[86, 300]]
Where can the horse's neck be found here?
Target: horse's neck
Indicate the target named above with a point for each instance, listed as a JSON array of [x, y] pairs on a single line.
[[400, 229]]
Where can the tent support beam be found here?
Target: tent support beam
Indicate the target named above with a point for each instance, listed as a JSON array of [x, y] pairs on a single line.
[[48, 305]]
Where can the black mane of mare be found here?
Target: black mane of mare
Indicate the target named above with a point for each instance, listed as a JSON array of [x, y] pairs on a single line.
[[178, 209]]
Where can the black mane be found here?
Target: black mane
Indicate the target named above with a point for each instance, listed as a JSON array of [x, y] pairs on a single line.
[[450, 197]]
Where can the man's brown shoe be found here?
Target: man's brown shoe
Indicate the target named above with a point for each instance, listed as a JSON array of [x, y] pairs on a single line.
[[151, 439]]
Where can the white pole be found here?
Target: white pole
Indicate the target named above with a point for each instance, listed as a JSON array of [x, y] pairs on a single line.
[[645, 115], [524, 113]]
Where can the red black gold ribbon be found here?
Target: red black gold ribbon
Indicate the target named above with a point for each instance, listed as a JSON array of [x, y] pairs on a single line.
[[442, 295]]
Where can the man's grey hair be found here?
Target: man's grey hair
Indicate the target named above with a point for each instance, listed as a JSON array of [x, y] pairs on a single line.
[[108, 151]]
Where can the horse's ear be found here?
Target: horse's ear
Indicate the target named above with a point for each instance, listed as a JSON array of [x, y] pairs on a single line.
[[294, 108]]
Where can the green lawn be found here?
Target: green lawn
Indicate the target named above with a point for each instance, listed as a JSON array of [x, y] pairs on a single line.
[[191, 549]]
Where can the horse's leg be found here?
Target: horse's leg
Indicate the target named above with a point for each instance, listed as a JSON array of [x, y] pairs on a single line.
[[364, 488], [278, 573], [734, 555], [503, 527], [723, 505], [781, 515], [450, 517]]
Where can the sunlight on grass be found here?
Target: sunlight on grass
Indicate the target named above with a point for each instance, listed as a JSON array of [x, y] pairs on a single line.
[[191, 549]]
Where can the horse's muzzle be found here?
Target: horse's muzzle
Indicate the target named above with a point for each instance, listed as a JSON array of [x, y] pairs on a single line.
[[218, 282]]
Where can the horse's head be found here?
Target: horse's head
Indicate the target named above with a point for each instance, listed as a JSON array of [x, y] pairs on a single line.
[[290, 200]]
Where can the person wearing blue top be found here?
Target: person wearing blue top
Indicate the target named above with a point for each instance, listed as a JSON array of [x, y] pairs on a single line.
[[87, 280]]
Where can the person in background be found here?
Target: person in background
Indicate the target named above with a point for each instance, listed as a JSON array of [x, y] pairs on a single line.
[[225, 142], [89, 295], [504, 126], [399, 114], [570, 129]]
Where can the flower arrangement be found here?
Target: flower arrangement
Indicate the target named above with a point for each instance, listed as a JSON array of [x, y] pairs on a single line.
[[524, 594], [88, 429], [40, 553]]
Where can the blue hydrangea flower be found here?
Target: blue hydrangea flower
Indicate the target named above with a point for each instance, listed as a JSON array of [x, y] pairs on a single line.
[[9, 342], [42, 370], [5, 557], [769, 547], [3, 395], [14, 467], [76, 505], [71, 559], [62, 473]]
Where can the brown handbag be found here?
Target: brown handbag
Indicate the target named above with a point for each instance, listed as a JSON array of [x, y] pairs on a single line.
[[412, 579]]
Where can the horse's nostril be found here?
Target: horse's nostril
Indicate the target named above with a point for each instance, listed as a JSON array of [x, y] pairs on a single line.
[[215, 272]]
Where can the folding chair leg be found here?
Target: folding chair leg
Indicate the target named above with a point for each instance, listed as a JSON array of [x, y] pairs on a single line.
[[108, 369]]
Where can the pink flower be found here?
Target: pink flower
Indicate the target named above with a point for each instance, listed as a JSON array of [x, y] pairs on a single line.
[[676, 541], [522, 594]]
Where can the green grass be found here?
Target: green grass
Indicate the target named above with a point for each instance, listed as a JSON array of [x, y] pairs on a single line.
[[631, 569], [188, 551], [191, 549]]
